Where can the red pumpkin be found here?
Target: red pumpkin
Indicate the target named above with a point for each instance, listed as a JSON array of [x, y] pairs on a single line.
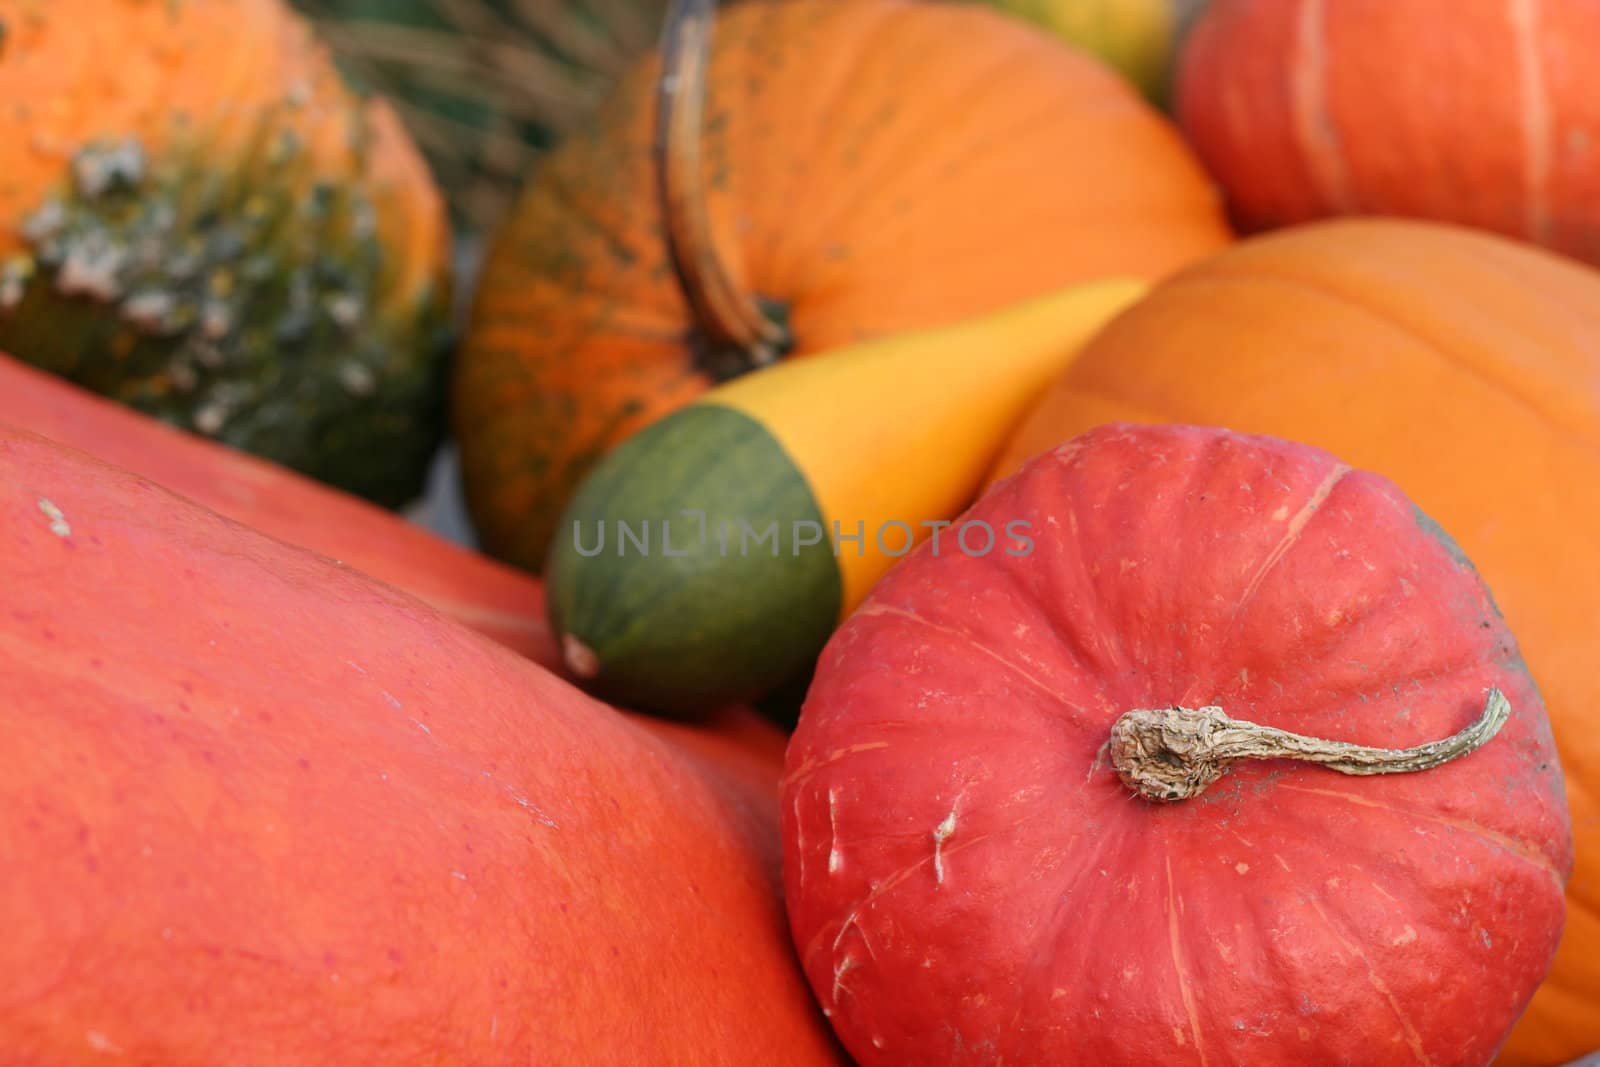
[[257, 808], [1462, 366], [1478, 112], [969, 880]]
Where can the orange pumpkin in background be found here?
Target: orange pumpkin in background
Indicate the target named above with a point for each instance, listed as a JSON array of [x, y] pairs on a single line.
[[1480, 112], [861, 169], [1464, 367], [200, 220]]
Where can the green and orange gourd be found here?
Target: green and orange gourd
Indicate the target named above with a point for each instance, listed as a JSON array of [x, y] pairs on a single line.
[[708, 557], [200, 220]]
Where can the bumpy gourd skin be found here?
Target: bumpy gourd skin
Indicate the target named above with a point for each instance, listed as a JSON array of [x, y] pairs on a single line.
[[198, 219]]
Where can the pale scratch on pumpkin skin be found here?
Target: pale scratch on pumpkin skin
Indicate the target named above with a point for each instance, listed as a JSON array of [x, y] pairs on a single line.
[[1291, 535], [847, 962], [1413, 1039], [884, 609], [892, 881], [1313, 122], [853, 923], [810, 767], [1537, 128], [1510, 845], [102, 1044], [941, 834], [800, 839], [1179, 968], [833, 832]]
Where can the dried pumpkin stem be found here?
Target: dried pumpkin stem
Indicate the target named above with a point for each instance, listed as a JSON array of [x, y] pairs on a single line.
[[1169, 754], [727, 316]]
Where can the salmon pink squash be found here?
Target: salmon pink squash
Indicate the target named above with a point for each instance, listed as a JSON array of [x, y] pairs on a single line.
[[1235, 763]]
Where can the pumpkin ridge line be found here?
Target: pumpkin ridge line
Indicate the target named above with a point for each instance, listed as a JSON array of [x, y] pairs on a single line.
[[1413, 1039], [1537, 129], [891, 176], [1494, 838], [891, 170], [1113, 647], [846, 69], [1150, 215], [1314, 131], [1376, 614]]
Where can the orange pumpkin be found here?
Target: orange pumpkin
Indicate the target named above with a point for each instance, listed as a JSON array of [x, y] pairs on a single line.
[[1463, 366], [862, 168], [259, 809], [1481, 112], [199, 219], [497, 601]]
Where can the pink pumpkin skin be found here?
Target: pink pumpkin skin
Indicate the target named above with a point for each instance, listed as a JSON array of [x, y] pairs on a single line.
[[256, 808], [967, 882]]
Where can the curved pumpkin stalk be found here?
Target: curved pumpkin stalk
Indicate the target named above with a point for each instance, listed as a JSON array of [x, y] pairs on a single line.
[[728, 317], [1175, 753]]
